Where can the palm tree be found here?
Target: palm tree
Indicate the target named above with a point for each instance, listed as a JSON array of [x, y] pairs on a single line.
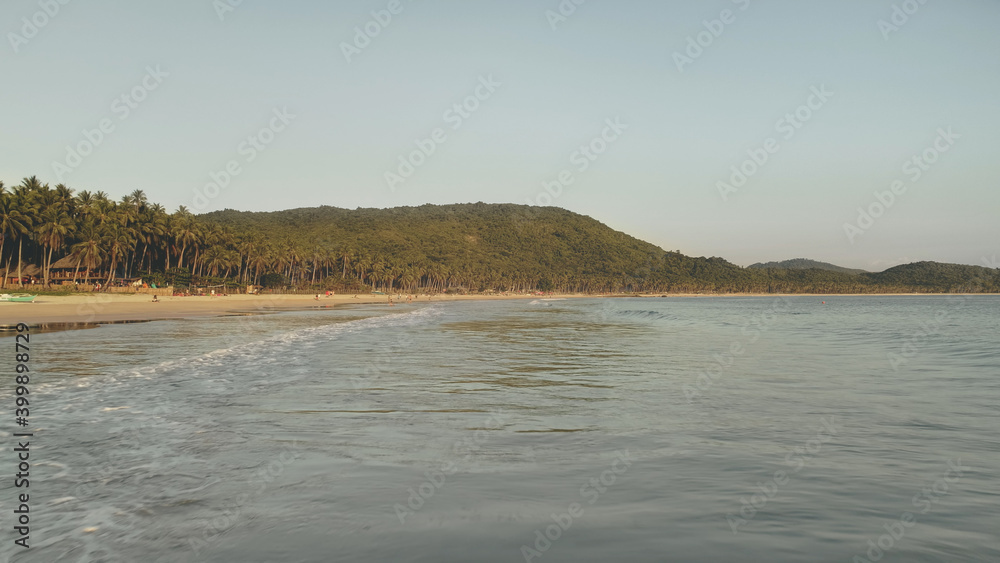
[[12, 225], [32, 184], [54, 226], [185, 233], [152, 228], [362, 265], [63, 199], [408, 279], [26, 209], [346, 256], [89, 250], [215, 258], [258, 263], [118, 241], [138, 199]]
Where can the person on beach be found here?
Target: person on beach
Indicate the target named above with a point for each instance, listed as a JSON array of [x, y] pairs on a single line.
[[156, 299]]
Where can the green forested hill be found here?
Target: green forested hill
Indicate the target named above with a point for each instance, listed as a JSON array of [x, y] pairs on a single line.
[[934, 275], [60, 236], [487, 246], [805, 264], [504, 246]]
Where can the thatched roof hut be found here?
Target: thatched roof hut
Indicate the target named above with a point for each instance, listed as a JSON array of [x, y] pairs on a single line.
[[27, 270], [67, 262]]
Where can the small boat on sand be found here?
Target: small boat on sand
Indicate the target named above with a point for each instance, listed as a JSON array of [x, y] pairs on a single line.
[[17, 297]]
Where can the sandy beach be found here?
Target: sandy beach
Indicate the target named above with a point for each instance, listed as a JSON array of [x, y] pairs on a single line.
[[103, 308]]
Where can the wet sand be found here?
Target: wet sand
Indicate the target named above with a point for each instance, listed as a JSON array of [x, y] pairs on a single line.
[[98, 308]]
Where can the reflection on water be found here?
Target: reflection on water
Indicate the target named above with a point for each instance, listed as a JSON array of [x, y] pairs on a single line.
[[40, 328], [460, 431]]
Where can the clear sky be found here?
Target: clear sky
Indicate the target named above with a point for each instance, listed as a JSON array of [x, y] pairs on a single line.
[[351, 107]]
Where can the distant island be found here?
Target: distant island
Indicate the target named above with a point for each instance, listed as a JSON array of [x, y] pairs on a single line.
[[53, 236]]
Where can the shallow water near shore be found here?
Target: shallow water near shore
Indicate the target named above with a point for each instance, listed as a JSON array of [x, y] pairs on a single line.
[[713, 429]]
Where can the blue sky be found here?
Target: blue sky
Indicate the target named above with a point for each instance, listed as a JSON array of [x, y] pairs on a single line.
[[333, 127]]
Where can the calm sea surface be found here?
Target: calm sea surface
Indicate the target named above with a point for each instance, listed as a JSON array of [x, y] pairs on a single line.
[[670, 429]]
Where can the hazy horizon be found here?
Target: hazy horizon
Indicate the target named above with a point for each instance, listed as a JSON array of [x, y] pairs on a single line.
[[308, 108]]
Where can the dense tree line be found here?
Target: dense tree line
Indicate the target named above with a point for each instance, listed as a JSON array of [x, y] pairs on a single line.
[[470, 247]]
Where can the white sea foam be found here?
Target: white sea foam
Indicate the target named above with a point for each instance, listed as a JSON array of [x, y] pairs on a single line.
[[257, 352]]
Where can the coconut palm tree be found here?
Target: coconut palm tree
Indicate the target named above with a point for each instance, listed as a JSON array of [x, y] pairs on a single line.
[[215, 259], [185, 232], [26, 208], [258, 263], [118, 241], [89, 251], [346, 257], [53, 227], [152, 229], [12, 226]]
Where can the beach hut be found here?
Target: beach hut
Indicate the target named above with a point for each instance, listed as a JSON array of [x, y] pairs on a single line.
[[64, 270], [29, 273]]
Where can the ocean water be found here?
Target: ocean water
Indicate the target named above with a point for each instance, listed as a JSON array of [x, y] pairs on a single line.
[[656, 429]]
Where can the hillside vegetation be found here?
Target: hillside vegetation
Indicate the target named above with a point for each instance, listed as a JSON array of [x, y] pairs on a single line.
[[805, 264], [67, 236], [513, 247]]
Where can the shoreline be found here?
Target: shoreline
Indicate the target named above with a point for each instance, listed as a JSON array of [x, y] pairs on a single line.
[[96, 309], [99, 308]]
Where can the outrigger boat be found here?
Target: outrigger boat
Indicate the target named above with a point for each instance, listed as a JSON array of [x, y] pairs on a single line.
[[17, 297]]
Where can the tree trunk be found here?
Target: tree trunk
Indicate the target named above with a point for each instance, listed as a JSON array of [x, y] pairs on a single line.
[[48, 266], [114, 263], [6, 272], [20, 247]]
